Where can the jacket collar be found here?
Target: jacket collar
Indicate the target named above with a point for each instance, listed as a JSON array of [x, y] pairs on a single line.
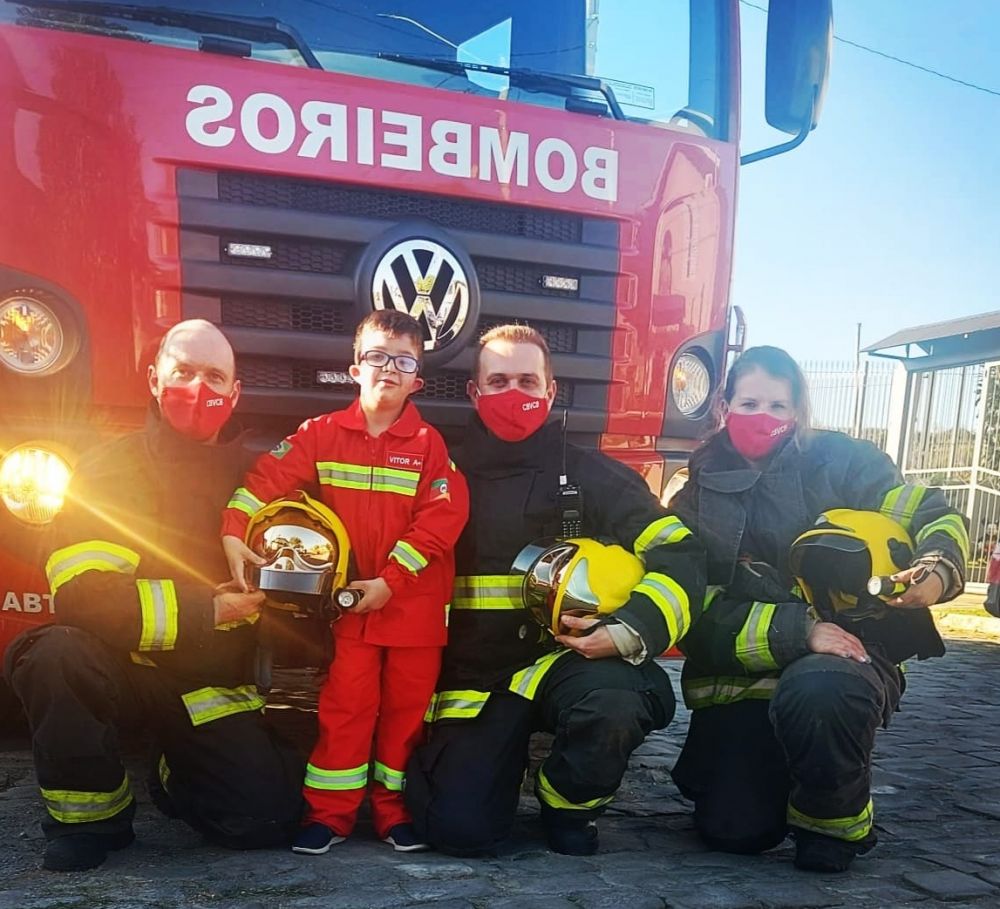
[[482, 451], [352, 417]]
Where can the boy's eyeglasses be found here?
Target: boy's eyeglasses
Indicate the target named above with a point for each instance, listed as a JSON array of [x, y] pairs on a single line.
[[379, 358]]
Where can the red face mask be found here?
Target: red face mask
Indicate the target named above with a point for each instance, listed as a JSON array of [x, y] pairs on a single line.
[[756, 435], [195, 410], [512, 415]]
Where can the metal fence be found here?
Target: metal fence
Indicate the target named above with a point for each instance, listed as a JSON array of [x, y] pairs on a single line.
[[851, 397]]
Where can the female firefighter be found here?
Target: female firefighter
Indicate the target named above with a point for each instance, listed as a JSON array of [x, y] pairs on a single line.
[[788, 672]]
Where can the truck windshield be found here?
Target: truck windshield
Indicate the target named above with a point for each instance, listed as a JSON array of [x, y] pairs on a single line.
[[664, 60]]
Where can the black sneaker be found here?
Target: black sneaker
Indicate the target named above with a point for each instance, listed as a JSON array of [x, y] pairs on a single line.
[[315, 839], [83, 851], [816, 852], [403, 838], [570, 836]]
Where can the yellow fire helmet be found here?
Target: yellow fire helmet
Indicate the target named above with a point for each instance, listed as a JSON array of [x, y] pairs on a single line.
[[835, 559], [579, 576], [306, 547]]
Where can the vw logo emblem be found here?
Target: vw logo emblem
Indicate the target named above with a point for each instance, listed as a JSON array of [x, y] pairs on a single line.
[[424, 279]]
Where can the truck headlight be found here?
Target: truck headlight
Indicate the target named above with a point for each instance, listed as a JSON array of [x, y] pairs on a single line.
[[690, 383], [32, 338], [33, 483]]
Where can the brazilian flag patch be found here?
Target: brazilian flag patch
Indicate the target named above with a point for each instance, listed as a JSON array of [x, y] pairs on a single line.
[[281, 449]]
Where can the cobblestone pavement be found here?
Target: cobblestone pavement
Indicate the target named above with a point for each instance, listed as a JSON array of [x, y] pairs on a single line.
[[937, 791]]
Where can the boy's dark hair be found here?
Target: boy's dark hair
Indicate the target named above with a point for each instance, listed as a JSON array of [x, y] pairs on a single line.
[[395, 324]]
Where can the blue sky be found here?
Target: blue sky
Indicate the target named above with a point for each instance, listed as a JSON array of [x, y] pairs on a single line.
[[889, 213]]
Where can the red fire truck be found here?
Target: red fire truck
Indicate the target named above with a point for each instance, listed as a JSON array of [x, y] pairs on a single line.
[[280, 168]]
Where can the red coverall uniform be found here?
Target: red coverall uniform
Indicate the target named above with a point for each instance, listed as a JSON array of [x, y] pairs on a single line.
[[404, 505]]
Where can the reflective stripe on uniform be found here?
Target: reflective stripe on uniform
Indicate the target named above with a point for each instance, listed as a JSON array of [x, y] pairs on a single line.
[[408, 556], [661, 531], [525, 682], [843, 828], [901, 503], [670, 598], [336, 780], [158, 602], [708, 692], [464, 704], [346, 476], [208, 704], [487, 591], [393, 780], [70, 806], [245, 501], [392, 479], [953, 526], [752, 648], [163, 771], [140, 660], [549, 796], [92, 555]]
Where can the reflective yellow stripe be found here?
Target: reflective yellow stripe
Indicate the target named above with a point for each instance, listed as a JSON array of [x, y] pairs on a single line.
[[487, 591], [163, 770], [391, 479], [548, 795], [662, 531], [708, 692], [92, 555], [526, 681], [140, 660], [843, 828], [711, 592], [953, 526], [336, 780], [408, 556], [901, 503], [671, 599], [346, 476], [70, 806], [393, 780], [208, 704], [245, 501], [752, 648], [158, 602], [463, 704]]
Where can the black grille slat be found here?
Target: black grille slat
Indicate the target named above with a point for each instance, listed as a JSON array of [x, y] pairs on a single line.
[[285, 315], [362, 202], [291, 255], [520, 278]]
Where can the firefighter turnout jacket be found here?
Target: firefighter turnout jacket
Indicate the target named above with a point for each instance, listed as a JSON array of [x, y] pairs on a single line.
[[748, 520], [494, 644], [400, 498]]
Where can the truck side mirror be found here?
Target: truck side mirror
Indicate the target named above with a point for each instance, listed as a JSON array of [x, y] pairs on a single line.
[[799, 39]]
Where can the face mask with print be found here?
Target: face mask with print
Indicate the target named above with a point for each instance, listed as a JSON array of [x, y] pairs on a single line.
[[512, 415], [195, 410], [756, 435]]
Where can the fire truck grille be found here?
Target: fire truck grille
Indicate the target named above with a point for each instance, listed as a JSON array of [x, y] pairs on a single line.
[[362, 202], [298, 255], [285, 315]]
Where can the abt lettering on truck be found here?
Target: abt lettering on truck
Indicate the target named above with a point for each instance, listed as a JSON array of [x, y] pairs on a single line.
[[271, 125], [569, 164]]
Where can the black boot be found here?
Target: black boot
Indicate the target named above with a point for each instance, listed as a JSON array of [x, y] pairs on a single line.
[[816, 852], [83, 851], [570, 835]]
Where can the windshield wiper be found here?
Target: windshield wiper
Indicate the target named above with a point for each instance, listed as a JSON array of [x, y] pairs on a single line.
[[248, 28], [530, 79]]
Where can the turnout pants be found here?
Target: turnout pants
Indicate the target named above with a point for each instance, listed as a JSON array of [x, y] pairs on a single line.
[[374, 695], [463, 784], [803, 759], [229, 778]]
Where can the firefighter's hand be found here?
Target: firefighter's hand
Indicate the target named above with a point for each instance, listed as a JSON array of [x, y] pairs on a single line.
[[233, 604], [240, 556], [926, 588], [374, 595], [825, 637], [594, 645]]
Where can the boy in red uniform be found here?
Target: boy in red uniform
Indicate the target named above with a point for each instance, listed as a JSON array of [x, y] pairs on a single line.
[[387, 475]]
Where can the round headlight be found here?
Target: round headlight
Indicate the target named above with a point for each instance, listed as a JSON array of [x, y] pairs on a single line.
[[31, 336], [33, 483], [690, 383]]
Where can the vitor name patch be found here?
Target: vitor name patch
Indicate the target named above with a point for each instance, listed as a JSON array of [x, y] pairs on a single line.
[[404, 461], [325, 129]]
